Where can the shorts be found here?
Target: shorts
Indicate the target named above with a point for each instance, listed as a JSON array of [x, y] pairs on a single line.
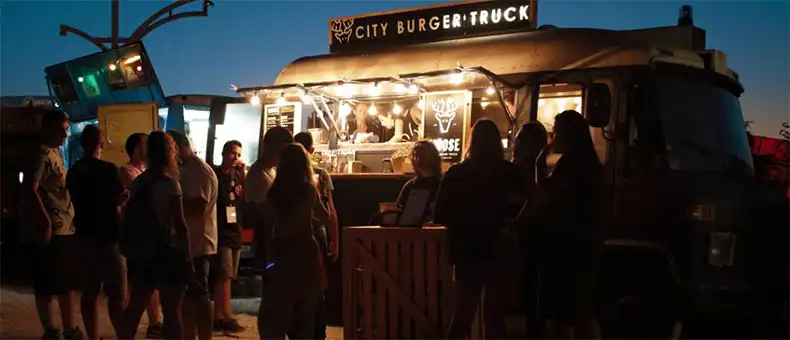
[[168, 266], [55, 266], [226, 263], [198, 284], [103, 268]]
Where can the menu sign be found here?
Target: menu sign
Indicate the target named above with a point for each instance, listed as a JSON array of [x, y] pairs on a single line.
[[445, 118], [280, 115], [430, 24]]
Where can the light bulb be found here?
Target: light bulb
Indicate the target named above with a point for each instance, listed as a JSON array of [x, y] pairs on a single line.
[[280, 100], [306, 99], [483, 104], [396, 109], [113, 67], [414, 89], [490, 90], [345, 110], [255, 100], [139, 68], [80, 79], [342, 90], [372, 110], [375, 91], [458, 78], [400, 88], [421, 104], [21, 177]]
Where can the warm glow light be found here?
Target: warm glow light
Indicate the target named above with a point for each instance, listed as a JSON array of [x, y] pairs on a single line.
[[421, 104], [458, 78], [490, 90], [280, 100], [345, 110], [343, 90], [483, 104], [113, 67], [132, 59], [21, 177], [139, 68], [400, 88], [375, 91], [372, 110], [306, 99], [255, 100], [396, 109], [80, 79], [414, 89]]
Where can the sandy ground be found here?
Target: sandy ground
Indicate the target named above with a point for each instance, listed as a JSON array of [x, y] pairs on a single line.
[[18, 318]]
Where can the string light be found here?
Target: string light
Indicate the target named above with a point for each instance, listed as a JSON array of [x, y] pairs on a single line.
[[375, 91], [139, 68], [131, 59], [483, 104], [280, 100], [345, 110], [113, 67], [400, 88], [372, 110], [421, 104], [414, 89], [255, 100], [396, 109], [80, 79], [306, 99], [490, 90], [458, 78]]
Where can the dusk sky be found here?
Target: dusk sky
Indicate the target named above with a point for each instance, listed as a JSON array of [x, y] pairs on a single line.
[[247, 43]]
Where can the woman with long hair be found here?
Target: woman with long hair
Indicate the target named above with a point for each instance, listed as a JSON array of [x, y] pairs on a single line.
[[477, 202], [569, 213], [154, 238], [428, 175], [528, 153], [295, 269]]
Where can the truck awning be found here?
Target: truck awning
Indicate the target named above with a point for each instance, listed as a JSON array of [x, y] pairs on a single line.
[[506, 55]]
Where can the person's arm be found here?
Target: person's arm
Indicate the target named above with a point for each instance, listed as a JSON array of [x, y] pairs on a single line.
[[197, 192], [38, 209], [319, 210], [126, 177], [404, 195], [176, 210]]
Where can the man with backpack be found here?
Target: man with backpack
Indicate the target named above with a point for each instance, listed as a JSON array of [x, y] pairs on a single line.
[[97, 192], [200, 188]]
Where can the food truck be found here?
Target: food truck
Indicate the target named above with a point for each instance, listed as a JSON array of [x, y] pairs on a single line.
[[664, 116]]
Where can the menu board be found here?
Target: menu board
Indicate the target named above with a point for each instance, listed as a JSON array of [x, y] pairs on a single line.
[[281, 115], [445, 120]]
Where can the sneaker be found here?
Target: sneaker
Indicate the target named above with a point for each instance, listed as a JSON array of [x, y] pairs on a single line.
[[51, 334], [74, 334], [232, 326], [155, 331]]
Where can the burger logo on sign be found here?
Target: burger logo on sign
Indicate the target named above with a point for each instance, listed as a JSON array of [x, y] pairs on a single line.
[[342, 29]]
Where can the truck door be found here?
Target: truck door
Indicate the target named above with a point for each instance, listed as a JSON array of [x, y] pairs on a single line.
[[119, 121]]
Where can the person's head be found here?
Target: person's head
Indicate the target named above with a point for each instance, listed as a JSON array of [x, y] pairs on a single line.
[[530, 141], [231, 153], [426, 160], [294, 163], [135, 146], [91, 141], [183, 146], [55, 127], [571, 133], [306, 139], [485, 145], [273, 142], [161, 153]]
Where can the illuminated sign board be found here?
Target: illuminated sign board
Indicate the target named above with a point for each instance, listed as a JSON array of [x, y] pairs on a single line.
[[430, 24], [445, 121]]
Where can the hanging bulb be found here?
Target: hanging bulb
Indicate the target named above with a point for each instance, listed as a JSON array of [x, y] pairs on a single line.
[[375, 91], [400, 88], [255, 100], [306, 99], [421, 104], [281, 100], [458, 78], [139, 68], [483, 104], [113, 67], [80, 79], [343, 90], [414, 89], [372, 110], [396, 109], [345, 110], [490, 91]]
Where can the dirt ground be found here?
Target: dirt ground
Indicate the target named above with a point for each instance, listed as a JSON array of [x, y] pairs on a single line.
[[18, 318]]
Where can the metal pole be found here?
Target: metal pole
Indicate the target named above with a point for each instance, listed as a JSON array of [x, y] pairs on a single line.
[[115, 17]]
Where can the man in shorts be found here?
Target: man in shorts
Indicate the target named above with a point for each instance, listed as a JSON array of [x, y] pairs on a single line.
[[200, 188], [52, 230], [327, 241], [231, 175], [97, 192]]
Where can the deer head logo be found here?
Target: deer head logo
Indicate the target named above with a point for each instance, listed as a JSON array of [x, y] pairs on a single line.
[[444, 110], [342, 29]]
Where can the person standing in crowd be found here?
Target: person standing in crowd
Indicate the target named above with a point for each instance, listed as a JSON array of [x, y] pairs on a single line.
[[529, 157], [200, 187], [155, 240], [54, 249], [428, 166], [478, 200], [97, 192], [231, 175], [256, 188], [568, 210], [329, 242], [296, 276], [135, 149]]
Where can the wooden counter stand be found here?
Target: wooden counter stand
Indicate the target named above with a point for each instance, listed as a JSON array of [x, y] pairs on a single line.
[[397, 283]]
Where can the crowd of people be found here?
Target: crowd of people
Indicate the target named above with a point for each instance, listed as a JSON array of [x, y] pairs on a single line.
[[165, 230]]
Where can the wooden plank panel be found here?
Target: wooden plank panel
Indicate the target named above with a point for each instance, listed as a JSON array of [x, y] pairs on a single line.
[[367, 293], [393, 267], [349, 278], [432, 285], [381, 317], [420, 279], [405, 283]]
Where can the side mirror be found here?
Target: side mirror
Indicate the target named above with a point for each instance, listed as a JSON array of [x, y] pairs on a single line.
[[597, 104]]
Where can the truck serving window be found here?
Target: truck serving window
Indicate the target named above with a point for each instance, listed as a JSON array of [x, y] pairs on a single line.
[[703, 126]]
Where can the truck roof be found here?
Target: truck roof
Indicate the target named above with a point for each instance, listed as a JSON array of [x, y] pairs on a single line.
[[545, 49]]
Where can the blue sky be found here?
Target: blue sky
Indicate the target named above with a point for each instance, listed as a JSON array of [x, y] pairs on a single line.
[[248, 42]]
